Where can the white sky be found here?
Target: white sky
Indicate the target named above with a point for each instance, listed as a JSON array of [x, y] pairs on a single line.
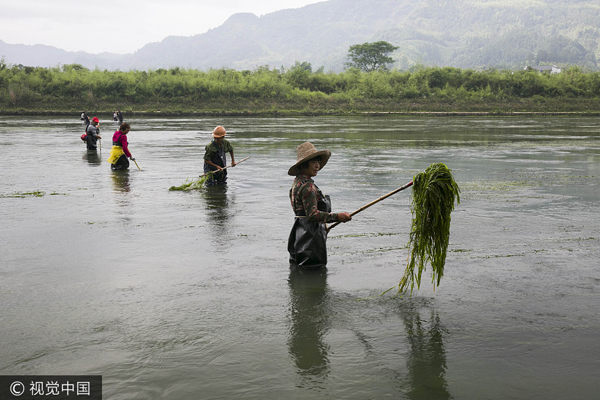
[[120, 26]]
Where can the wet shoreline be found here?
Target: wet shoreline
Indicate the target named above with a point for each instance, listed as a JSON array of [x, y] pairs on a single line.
[[330, 113]]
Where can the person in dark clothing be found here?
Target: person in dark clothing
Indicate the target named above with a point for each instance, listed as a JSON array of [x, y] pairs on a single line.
[[307, 240], [215, 158], [93, 133], [86, 120], [120, 116]]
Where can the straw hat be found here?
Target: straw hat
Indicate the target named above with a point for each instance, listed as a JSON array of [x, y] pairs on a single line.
[[307, 151], [219, 132]]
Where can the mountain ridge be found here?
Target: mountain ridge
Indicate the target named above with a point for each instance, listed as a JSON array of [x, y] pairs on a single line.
[[465, 34]]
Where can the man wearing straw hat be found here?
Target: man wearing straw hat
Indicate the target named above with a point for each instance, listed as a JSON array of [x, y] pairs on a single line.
[[307, 241], [215, 157]]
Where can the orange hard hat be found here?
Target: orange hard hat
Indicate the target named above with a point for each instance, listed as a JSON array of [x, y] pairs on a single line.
[[219, 132]]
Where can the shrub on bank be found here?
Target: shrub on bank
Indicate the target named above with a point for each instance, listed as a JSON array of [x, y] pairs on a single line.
[[188, 90]]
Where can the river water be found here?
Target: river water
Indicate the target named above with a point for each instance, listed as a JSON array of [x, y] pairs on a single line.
[[182, 295]]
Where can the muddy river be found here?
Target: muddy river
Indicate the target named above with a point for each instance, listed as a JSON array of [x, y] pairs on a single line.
[[184, 295]]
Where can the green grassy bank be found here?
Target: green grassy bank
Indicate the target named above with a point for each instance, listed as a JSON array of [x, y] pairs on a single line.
[[71, 89]]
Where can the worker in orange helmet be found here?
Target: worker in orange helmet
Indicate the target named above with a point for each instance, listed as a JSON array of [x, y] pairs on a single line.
[[215, 157]]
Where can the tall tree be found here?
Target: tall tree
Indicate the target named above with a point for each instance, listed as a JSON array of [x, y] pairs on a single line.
[[370, 56]]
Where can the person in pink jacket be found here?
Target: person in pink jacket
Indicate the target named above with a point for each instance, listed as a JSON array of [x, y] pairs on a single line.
[[120, 150]]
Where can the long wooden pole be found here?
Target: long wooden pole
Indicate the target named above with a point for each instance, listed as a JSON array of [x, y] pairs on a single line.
[[409, 184], [212, 172]]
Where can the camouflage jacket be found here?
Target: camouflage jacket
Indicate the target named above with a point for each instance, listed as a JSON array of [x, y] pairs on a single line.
[[305, 197]]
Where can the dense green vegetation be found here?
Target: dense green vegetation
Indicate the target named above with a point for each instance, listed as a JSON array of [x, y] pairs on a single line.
[[73, 88]]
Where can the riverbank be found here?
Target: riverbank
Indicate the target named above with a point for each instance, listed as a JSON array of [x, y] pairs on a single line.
[[515, 107], [297, 92], [316, 113]]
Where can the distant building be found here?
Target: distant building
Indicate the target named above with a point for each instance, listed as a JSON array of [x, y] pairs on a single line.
[[545, 68]]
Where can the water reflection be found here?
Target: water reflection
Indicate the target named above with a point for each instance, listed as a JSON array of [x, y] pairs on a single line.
[[426, 361], [309, 322], [218, 208], [120, 180], [92, 157]]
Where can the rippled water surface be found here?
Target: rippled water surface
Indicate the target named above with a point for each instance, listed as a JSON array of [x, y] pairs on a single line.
[[181, 295]]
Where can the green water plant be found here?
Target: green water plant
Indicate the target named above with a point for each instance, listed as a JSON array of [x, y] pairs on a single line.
[[198, 183], [192, 184], [434, 195], [36, 193]]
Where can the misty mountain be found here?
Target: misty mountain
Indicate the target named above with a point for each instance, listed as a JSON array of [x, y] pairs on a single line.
[[459, 33], [40, 55]]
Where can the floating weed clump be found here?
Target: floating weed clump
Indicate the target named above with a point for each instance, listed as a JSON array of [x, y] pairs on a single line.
[[193, 184], [199, 183], [37, 193], [434, 194]]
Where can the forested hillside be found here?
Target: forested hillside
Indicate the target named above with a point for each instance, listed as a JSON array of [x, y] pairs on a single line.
[[476, 34], [461, 33]]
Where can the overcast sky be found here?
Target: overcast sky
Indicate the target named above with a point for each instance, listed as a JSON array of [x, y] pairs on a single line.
[[122, 26]]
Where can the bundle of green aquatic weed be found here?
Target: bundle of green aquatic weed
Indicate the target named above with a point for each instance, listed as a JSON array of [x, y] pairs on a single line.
[[433, 197], [193, 184]]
